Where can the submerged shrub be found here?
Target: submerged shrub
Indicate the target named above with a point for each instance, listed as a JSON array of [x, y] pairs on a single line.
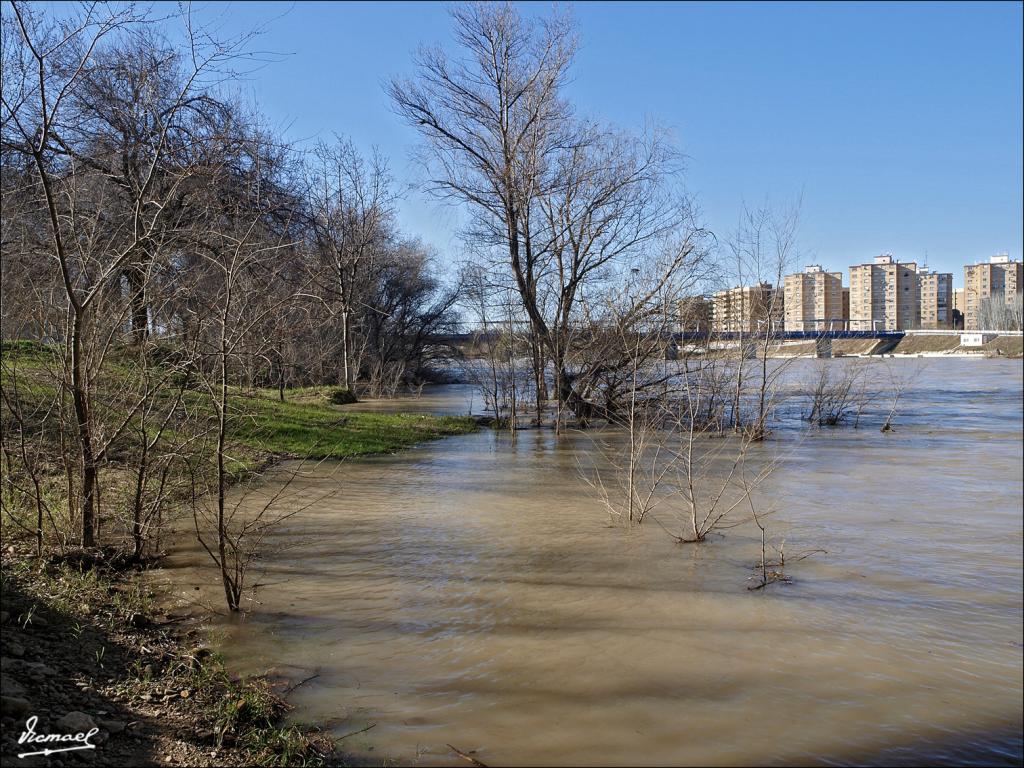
[[343, 396]]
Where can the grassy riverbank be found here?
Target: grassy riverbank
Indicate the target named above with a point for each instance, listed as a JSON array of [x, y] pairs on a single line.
[[313, 428], [261, 429]]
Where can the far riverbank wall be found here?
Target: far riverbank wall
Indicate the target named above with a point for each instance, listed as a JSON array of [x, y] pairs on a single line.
[[913, 344]]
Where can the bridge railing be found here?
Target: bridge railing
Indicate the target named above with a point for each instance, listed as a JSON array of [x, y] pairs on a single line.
[[788, 335]]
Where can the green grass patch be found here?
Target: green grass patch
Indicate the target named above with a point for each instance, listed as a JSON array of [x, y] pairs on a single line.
[[313, 429], [28, 351]]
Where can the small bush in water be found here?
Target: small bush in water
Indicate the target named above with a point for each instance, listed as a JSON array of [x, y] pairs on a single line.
[[343, 396]]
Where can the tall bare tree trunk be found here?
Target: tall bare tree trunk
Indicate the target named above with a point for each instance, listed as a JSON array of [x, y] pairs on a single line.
[[513, 416], [346, 372], [226, 579], [80, 399], [139, 306], [280, 365], [137, 501], [539, 380]]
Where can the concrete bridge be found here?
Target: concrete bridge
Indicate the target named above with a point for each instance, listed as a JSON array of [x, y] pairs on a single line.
[[822, 339]]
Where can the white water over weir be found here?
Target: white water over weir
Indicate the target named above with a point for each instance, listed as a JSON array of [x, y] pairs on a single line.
[[471, 592]]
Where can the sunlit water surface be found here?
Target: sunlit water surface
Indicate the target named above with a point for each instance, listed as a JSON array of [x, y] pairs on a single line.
[[471, 592]]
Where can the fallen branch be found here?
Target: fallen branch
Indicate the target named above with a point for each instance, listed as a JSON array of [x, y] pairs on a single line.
[[291, 688], [361, 730], [466, 757]]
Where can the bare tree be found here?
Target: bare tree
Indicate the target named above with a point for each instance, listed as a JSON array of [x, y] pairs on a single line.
[[572, 207], [631, 470], [240, 256], [499, 336], [350, 203], [493, 123], [839, 391], [763, 247], [241, 526], [407, 309], [29, 453], [674, 465], [476, 299], [900, 378], [1001, 312], [44, 73]]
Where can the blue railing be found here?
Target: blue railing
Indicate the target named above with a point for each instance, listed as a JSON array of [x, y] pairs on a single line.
[[788, 335]]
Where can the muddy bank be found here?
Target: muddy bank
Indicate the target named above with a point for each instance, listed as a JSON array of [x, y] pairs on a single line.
[[86, 652]]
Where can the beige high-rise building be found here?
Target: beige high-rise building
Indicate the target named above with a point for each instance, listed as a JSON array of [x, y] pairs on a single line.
[[999, 278], [884, 295], [935, 299], [814, 300], [746, 309]]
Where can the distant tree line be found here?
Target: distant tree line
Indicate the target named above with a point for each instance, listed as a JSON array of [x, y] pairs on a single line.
[[131, 175]]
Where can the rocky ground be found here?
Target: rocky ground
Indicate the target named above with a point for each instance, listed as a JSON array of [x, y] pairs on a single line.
[[82, 649]]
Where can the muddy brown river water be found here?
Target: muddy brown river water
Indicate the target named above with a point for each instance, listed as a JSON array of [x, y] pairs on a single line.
[[471, 592]]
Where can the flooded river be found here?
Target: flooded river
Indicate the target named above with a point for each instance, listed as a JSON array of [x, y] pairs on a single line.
[[471, 592]]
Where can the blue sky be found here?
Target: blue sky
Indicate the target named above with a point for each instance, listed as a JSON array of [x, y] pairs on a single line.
[[900, 124]]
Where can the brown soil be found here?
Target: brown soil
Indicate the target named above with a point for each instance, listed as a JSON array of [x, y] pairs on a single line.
[[915, 344], [1005, 346], [80, 657]]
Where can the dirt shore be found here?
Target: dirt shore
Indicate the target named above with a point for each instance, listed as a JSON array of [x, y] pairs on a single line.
[[83, 648]]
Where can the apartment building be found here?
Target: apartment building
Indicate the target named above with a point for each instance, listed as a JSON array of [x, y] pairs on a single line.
[[884, 295], [814, 300], [935, 299], [747, 308], [1000, 279]]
